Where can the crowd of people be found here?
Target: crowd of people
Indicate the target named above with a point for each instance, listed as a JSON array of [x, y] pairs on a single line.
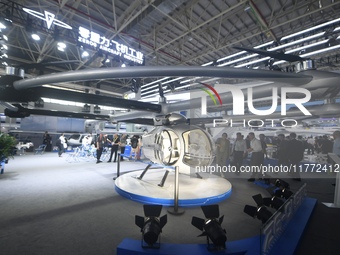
[[290, 151], [115, 143], [111, 143]]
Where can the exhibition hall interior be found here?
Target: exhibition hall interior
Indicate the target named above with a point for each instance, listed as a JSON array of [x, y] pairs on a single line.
[[169, 127]]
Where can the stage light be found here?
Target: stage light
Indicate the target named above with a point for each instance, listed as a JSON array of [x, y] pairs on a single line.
[[261, 211], [211, 227], [273, 202], [283, 193], [281, 189], [151, 225]]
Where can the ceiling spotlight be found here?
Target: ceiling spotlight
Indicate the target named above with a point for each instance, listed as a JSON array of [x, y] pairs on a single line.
[[35, 36], [85, 54], [3, 38], [211, 227], [261, 211], [247, 8], [6, 21], [3, 48], [61, 46], [2, 25], [151, 225]]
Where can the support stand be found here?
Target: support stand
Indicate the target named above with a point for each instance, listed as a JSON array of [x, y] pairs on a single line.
[[161, 184], [144, 172], [175, 210], [336, 203], [118, 165]]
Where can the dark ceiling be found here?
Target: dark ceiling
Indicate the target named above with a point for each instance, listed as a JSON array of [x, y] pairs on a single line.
[[170, 32]]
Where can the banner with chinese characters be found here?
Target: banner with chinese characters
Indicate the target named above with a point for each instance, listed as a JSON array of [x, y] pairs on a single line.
[[98, 41]]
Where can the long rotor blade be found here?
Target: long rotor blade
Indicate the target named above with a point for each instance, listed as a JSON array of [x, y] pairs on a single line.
[[161, 71], [25, 112], [276, 55], [98, 99]]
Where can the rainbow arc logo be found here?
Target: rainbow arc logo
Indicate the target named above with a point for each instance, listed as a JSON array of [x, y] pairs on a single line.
[[208, 90], [210, 94]]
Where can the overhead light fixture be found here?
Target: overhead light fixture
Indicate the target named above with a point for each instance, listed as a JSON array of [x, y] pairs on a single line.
[[253, 62], [211, 227], [85, 54], [239, 59], [155, 82], [260, 212], [61, 46], [247, 8], [35, 36], [208, 64], [231, 56], [310, 29], [3, 38], [6, 21], [151, 225], [321, 51], [3, 48], [307, 46]]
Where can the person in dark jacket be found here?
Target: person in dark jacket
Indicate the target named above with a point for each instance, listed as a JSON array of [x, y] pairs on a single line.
[[295, 151], [282, 150]]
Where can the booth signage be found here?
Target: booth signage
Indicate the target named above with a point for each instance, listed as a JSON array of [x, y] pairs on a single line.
[[48, 17], [96, 40]]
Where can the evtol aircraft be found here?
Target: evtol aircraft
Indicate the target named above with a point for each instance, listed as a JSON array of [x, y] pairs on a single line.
[[177, 141]]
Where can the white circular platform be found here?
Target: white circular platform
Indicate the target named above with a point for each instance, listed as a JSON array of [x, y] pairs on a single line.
[[211, 189]]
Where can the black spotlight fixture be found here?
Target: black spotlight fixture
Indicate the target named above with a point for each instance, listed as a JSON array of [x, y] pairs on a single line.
[[39, 103], [282, 189], [135, 84], [86, 108], [151, 225], [273, 202], [261, 211], [96, 109], [211, 227]]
